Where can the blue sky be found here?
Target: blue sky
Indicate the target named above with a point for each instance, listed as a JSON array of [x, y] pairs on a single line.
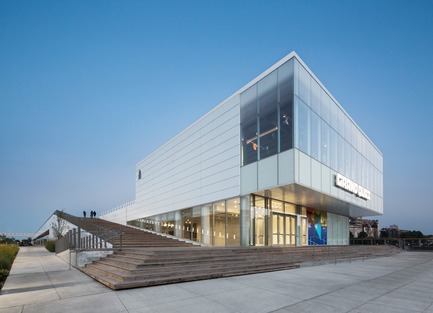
[[89, 88]]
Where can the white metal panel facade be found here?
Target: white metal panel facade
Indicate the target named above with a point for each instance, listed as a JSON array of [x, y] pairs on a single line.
[[200, 165]]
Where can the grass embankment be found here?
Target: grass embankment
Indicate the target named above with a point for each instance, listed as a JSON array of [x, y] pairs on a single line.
[[7, 256]]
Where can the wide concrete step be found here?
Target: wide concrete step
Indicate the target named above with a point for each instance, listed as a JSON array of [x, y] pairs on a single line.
[[180, 265], [198, 272], [132, 268], [154, 281]]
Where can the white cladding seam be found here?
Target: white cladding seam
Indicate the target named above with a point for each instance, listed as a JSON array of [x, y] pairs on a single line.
[[200, 165]]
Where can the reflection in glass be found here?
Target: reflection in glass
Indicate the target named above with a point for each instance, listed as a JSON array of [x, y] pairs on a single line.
[[303, 84], [285, 88], [219, 230], [303, 127], [325, 144], [268, 117], [233, 228], [249, 126], [315, 136]]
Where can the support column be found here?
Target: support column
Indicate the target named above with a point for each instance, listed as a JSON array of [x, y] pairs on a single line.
[[245, 221]]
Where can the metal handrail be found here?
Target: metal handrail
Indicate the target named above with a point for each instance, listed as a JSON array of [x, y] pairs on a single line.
[[101, 233], [312, 243]]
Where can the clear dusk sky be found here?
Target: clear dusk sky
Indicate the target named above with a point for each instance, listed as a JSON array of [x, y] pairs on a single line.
[[89, 88]]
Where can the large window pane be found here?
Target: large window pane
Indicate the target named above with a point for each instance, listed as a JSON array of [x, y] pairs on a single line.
[[249, 126], [325, 144], [206, 224], [334, 115], [268, 127], [277, 206], [303, 127], [315, 136], [316, 97], [341, 147], [196, 224], [233, 228], [303, 84], [341, 121], [285, 88], [219, 230], [347, 159], [186, 227], [334, 149], [326, 107]]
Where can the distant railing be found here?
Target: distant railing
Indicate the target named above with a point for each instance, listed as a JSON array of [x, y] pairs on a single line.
[[377, 241], [125, 205]]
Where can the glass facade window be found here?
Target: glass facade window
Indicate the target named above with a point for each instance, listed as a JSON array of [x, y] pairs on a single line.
[[316, 97], [267, 115], [216, 224], [285, 93], [325, 149], [233, 222], [303, 127], [303, 84], [326, 101], [219, 230], [326, 133], [249, 144], [315, 136]]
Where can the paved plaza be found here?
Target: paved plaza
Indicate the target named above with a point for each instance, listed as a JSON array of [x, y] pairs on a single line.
[[42, 282]]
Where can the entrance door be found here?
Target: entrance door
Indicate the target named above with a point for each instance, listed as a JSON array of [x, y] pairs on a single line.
[[278, 229], [283, 229], [290, 230]]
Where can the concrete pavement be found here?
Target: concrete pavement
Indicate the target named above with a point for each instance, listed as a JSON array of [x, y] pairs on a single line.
[[42, 282]]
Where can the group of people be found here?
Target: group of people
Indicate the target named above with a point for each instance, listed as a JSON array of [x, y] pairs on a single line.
[[92, 214]]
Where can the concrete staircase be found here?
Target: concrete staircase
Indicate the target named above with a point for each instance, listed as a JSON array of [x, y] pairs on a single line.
[[131, 268], [149, 259]]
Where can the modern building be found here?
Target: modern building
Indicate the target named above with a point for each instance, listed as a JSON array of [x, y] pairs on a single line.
[[279, 162]]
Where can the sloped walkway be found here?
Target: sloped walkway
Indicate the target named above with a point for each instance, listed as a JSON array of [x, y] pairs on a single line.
[[42, 282]]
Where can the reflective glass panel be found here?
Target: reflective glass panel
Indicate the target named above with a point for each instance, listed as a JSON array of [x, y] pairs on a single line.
[[249, 126], [233, 228], [315, 136], [268, 117], [316, 97], [303, 127], [285, 88], [303, 84], [325, 144], [196, 224], [219, 230]]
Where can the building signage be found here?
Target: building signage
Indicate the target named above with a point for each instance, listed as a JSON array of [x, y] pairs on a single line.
[[350, 186]]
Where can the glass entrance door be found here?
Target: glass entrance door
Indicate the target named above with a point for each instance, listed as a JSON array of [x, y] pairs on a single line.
[[283, 229], [277, 229]]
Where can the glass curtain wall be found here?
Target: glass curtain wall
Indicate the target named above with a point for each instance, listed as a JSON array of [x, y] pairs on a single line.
[[216, 224], [267, 115], [324, 132], [233, 232], [219, 223]]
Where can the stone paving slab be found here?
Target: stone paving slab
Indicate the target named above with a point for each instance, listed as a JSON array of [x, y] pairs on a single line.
[[42, 282]]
